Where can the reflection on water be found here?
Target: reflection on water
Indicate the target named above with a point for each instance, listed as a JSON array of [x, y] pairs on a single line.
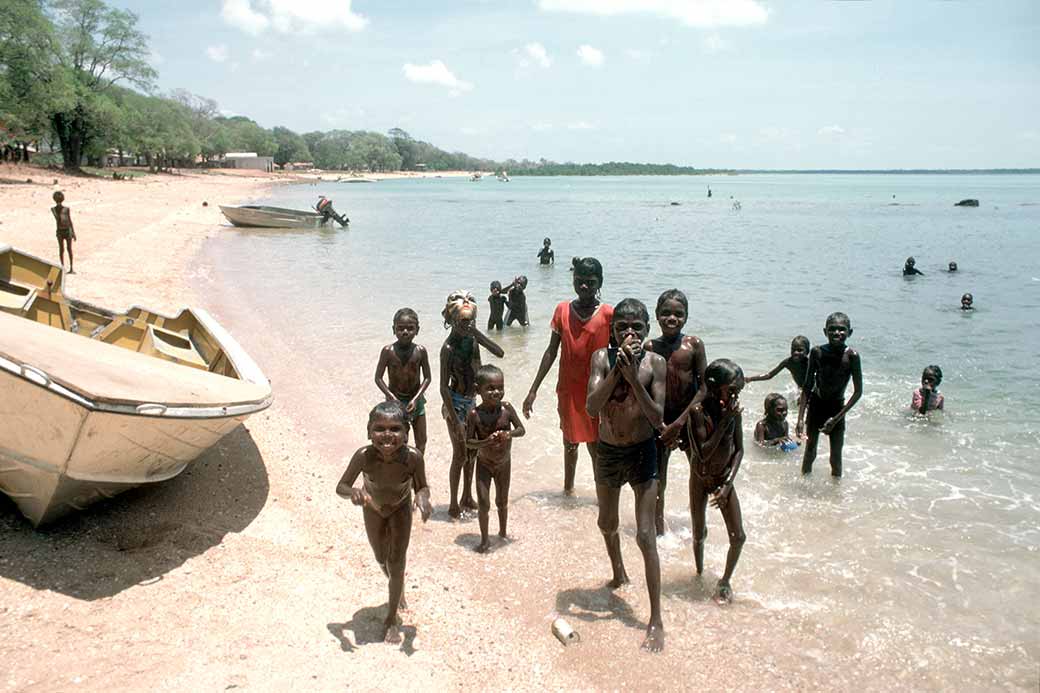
[[921, 559]]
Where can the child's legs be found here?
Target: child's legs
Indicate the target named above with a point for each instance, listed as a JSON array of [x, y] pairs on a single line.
[[467, 479], [458, 458], [378, 530], [735, 528], [646, 537], [607, 497], [837, 440], [483, 500], [809, 457], [663, 453], [570, 464], [68, 242], [502, 475], [400, 533], [61, 251], [419, 428], [698, 509]]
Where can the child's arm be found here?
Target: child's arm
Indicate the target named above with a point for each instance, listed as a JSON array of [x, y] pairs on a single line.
[[760, 432], [424, 363], [448, 407], [345, 487], [422, 490], [548, 359], [472, 441], [857, 392], [384, 358], [803, 401], [602, 381], [485, 341], [72, 228], [767, 376], [721, 496], [650, 403]]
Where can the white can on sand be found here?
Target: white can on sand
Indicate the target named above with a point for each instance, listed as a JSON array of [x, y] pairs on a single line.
[[564, 633]]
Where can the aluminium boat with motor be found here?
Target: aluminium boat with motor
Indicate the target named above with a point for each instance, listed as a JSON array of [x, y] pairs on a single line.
[[97, 402], [263, 216]]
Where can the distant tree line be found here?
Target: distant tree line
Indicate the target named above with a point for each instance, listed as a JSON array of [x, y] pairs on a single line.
[[611, 168]]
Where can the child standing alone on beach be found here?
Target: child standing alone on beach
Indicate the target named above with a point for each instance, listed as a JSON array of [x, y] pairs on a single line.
[[391, 470], [460, 359], [490, 429], [404, 360], [65, 232]]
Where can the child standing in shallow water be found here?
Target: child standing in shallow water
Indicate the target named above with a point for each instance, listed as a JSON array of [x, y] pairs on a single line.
[[686, 361], [404, 360], [497, 299], [391, 471], [460, 359], [490, 429], [927, 397], [796, 364]]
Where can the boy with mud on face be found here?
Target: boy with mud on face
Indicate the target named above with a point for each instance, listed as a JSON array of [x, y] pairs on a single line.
[[627, 393]]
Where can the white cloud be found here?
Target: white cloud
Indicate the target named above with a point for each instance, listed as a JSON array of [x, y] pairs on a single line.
[[538, 54], [435, 73], [593, 57], [217, 53], [773, 134], [260, 54], [713, 44], [831, 130], [291, 16], [703, 14], [541, 127], [581, 125]]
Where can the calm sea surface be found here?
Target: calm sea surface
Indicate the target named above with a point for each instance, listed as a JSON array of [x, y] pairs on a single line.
[[924, 557]]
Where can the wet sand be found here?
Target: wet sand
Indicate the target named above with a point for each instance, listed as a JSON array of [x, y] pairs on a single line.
[[248, 572]]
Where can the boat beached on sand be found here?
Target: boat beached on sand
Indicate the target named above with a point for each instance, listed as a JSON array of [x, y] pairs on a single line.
[[95, 402]]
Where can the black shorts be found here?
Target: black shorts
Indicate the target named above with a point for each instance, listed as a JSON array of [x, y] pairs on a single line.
[[822, 409], [628, 464]]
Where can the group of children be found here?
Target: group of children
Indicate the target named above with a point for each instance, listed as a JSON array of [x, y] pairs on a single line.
[[910, 270]]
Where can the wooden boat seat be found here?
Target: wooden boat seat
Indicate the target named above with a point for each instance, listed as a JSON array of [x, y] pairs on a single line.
[[104, 372], [16, 297], [171, 346]]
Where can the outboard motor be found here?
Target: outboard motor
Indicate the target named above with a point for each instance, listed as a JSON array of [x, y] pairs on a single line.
[[326, 210]]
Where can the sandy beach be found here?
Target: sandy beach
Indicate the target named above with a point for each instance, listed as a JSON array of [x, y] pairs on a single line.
[[247, 572]]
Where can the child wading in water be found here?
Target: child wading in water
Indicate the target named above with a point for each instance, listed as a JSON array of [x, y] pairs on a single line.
[[831, 366], [460, 359], [497, 299], [797, 364], [626, 391], [64, 231], [391, 470], [927, 397], [517, 302], [686, 361], [717, 448], [490, 429], [546, 256], [772, 430], [404, 360]]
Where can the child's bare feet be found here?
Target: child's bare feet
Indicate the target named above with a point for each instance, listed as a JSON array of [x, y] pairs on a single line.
[[502, 534], [483, 546], [468, 503], [454, 512], [391, 634], [569, 492], [723, 593], [654, 641], [619, 580]]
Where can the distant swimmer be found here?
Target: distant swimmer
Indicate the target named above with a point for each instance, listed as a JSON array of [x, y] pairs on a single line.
[[953, 267], [546, 256], [909, 269], [927, 397], [736, 205], [967, 302], [709, 191]]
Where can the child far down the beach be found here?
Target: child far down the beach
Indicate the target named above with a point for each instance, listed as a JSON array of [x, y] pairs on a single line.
[[686, 359], [626, 391], [403, 361], [64, 230], [490, 429], [391, 470], [831, 366], [460, 360]]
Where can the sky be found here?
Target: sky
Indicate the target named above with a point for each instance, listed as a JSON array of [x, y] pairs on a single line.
[[704, 83]]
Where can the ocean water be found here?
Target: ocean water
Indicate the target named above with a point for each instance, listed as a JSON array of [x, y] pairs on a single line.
[[923, 558]]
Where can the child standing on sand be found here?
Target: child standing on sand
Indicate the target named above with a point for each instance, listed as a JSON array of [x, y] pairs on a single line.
[[686, 361], [64, 231], [391, 470], [404, 360], [460, 359], [927, 397], [772, 430], [831, 366], [490, 429]]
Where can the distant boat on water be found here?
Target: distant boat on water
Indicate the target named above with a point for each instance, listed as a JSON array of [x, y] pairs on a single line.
[[475, 177]]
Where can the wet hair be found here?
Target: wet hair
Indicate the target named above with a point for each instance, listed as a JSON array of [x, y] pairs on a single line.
[[587, 265], [722, 372], [486, 372], [496, 285], [773, 399], [521, 281], [911, 261], [672, 295], [953, 265], [406, 313], [630, 307], [967, 296], [803, 341], [58, 196], [936, 371], [546, 240], [392, 410], [838, 317]]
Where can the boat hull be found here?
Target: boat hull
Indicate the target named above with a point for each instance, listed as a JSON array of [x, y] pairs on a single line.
[[272, 218]]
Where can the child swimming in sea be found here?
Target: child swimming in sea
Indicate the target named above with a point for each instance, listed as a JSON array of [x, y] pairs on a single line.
[[927, 397], [498, 302], [460, 359], [391, 470], [490, 429], [772, 430], [967, 302], [546, 256], [403, 360], [686, 361]]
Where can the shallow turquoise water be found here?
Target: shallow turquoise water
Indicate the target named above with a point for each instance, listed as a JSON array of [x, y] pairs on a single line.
[[934, 530]]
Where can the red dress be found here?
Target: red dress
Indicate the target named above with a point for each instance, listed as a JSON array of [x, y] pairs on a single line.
[[579, 340]]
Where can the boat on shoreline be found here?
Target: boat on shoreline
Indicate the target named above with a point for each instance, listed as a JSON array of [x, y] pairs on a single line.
[[262, 216], [97, 402]]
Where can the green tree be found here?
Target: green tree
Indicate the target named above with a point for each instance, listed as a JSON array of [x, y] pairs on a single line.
[[291, 146], [97, 47]]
